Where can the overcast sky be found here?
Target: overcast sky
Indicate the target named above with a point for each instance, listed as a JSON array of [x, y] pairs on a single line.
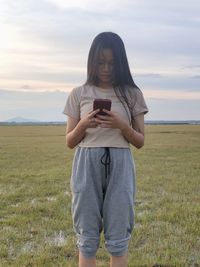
[[44, 46]]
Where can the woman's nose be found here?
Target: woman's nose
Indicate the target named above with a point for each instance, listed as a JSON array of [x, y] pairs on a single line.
[[106, 66]]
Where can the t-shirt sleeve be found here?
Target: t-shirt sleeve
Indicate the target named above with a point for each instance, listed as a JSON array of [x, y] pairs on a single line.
[[72, 106], [140, 104]]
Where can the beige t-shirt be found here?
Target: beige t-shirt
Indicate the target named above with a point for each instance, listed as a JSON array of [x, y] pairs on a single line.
[[80, 102]]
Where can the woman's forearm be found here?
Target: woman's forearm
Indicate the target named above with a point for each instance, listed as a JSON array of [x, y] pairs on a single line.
[[132, 136], [74, 137], [76, 128]]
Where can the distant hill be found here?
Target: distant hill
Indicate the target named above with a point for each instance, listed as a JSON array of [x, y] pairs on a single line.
[[25, 121], [20, 120], [172, 122]]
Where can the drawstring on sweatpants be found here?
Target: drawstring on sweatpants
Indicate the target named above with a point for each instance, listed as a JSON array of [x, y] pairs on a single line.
[[105, 160]]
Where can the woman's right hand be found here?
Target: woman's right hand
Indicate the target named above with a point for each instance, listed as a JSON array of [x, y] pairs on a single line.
[[89, 120], [76, 128]]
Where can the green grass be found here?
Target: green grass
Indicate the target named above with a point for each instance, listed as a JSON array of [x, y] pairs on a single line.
[[35, 199]]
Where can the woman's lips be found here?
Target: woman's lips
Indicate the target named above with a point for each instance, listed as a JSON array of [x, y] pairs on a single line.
[[105, 76]]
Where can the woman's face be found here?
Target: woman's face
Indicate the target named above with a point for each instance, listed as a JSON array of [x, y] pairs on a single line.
[[105, 68]]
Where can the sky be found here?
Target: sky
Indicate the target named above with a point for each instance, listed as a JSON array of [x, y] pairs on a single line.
[[44, 46]]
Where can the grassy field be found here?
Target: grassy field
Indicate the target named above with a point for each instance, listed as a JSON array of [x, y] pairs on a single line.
[[35, 199]]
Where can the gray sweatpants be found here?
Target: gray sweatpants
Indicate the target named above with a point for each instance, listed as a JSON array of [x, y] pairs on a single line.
[[103, 189]]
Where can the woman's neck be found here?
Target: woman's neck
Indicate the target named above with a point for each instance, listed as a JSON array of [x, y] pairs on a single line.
[[105, 85]]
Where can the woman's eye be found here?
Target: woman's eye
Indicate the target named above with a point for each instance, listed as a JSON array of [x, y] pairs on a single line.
[[102, 63]]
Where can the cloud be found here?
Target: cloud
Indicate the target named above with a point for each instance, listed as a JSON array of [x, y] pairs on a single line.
[[181, 82], [149, 75], [36, 86], [45, 43], [26, 87], [195, 77], [195, 66], [87, 5], [171, 95], [173, 109]]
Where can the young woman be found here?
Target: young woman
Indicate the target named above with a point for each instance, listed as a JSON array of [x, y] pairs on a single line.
[[103, 172]]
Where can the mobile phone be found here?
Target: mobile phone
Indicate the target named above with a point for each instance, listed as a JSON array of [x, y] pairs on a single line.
[[101, 104]]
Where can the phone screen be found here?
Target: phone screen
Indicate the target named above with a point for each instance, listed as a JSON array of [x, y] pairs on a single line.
[[102, 104]]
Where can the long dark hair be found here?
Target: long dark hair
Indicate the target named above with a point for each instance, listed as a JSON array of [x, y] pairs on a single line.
[[122, 79]]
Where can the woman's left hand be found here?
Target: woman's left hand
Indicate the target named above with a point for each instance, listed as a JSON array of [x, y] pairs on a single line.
[[112, 120]]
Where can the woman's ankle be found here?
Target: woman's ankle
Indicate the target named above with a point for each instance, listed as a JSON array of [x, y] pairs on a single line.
[[86, 262], [119, 261]]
